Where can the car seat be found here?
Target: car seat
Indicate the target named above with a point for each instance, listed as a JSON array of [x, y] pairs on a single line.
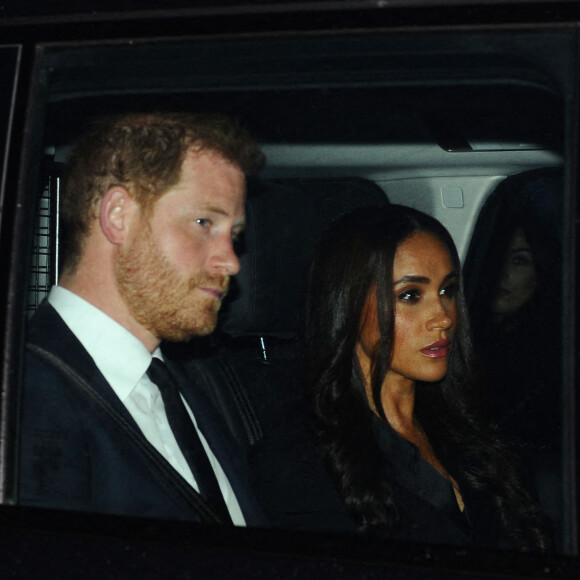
[[251, 367]]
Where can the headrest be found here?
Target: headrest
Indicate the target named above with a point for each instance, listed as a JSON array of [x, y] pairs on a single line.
[[284, 219]]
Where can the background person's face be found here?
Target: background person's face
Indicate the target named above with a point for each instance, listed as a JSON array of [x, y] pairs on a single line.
[[518, 278]]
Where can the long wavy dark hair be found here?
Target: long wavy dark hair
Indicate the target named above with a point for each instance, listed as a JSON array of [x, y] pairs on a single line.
[[356, 256]]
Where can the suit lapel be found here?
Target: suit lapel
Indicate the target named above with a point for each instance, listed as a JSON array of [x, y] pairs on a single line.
[[50, 333], [65, 352]]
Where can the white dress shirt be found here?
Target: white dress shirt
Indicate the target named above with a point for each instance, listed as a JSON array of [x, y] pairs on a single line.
[[123, 360]]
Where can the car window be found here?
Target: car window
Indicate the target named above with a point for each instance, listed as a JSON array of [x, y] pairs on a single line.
[[438, 122]]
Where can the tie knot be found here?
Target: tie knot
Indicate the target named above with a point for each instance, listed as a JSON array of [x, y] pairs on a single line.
[[159, 374]]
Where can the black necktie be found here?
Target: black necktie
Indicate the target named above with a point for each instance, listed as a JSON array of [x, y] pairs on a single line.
[[187, 438]]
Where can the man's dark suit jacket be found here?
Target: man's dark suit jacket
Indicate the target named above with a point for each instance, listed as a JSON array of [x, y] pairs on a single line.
[[80, 449]]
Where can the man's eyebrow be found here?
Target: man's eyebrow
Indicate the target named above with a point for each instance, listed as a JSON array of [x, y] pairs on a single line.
[[214, 209], [422, 279]]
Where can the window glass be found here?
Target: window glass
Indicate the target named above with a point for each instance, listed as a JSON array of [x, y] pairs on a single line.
[[8, 56], [466, 127]]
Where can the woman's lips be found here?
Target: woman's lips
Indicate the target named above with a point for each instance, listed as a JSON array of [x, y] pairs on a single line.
[[439, 349]]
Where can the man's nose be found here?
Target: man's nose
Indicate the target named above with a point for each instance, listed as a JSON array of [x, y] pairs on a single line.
[[225, 258]]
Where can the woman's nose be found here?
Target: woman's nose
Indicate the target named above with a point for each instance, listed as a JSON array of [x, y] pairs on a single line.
[[505, 274], [441, 318]]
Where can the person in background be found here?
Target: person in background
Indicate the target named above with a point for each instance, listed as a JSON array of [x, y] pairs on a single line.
[[516, 310]]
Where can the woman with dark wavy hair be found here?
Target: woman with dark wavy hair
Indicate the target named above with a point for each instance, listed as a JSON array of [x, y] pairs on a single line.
[[515, 303], [394, 390]]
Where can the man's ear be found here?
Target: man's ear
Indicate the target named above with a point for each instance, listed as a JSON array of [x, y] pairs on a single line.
[[116, 205]]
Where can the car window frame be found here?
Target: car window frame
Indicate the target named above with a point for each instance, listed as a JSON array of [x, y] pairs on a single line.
[[32, 522]]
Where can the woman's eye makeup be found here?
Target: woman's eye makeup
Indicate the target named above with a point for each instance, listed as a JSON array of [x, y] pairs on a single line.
[[414, 293], [409, 295], [450, 290]]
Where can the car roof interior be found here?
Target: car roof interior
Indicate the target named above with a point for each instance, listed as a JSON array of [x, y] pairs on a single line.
[[422, 116]]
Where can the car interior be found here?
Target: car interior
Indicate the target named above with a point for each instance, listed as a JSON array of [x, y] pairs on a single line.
[[467, 126]]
